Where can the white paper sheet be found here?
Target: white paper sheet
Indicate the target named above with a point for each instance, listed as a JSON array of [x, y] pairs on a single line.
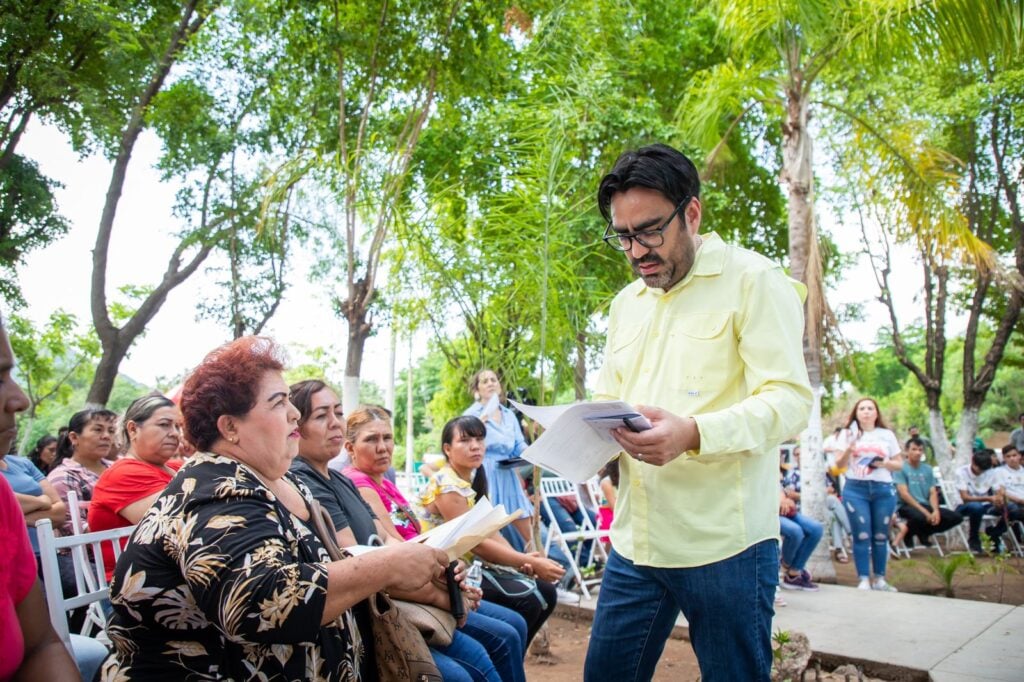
[[571, 446]]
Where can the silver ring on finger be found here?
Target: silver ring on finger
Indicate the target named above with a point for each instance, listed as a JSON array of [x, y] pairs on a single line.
[[640, 456]]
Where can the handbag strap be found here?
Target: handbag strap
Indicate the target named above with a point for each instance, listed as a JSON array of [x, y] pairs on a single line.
[[323, 528]]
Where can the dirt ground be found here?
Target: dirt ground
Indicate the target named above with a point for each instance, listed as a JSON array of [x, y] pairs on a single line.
[[986, 582]]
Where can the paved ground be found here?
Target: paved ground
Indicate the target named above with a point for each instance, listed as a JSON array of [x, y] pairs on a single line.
[[905, 636]]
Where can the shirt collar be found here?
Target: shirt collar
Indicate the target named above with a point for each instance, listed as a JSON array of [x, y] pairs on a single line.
[[709, 261]]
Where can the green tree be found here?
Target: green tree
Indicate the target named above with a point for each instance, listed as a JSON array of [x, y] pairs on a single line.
[[51, 359], [56, 60], [779, 54], [363, 85], [507, 242]]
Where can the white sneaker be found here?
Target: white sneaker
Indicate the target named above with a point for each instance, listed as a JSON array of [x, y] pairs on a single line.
[[864, 584], [881, 586], [779, 601], [567, 597]]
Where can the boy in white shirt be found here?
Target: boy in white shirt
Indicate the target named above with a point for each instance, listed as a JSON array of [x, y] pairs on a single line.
[[974, 482], [1009, 481]]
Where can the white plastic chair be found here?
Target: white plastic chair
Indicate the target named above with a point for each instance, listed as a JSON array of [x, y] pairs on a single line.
[[90, 577], [550, 489], [953, 501]]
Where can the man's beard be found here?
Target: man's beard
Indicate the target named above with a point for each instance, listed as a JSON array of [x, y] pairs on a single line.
[[672, 271], [659, 280]]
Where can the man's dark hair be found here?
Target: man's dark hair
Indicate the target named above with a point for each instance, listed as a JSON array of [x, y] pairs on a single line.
[[914, 441], [982, 459], [658, 167], [1008, 448]]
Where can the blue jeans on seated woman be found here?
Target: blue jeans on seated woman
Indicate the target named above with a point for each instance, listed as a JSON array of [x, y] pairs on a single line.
[[800, 535], [464, 660], [870, 506], [728, 604], [502, 633], [89, 656]]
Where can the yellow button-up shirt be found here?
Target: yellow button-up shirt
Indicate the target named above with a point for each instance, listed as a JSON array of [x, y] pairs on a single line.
[[724, 345]]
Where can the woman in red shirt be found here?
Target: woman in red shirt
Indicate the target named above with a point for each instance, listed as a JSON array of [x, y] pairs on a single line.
[[129, 487]]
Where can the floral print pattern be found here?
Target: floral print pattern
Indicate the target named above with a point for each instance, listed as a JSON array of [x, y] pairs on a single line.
[[220, 581]]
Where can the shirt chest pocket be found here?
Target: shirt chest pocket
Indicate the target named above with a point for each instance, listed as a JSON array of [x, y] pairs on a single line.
[[705, 345]]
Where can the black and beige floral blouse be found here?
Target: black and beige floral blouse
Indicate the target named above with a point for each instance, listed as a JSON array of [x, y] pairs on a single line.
[[220, 581]]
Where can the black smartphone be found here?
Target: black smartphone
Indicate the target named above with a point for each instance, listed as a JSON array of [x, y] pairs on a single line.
[[458, 607]]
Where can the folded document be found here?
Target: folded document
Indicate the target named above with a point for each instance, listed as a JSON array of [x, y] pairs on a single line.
[[461, 534], [577, 440]]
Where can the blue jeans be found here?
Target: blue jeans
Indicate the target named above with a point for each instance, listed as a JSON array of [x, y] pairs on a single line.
[[464, 660], [729, 606], [502, 632], [89, 656], [570, 523], [800, 535], [870, 505]]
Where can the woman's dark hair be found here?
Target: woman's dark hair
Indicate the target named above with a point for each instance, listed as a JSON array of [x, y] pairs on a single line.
[[37, 452], [657, 167], [611, 470], [141, 409], [474, 428], [301, 395], [879, 422], [77, 424], [225, 383]]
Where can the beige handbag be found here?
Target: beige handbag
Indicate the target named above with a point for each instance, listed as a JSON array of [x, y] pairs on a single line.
[[400, 651]]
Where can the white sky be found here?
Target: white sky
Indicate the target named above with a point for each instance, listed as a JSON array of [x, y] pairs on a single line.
[[59, 275]]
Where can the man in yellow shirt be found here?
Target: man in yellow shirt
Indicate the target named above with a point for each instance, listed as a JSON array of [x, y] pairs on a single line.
[[707, 343]]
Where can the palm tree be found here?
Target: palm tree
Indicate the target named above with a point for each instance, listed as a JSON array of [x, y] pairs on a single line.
[[780, 51]]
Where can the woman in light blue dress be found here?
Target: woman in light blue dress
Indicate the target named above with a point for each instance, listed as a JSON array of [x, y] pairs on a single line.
[[504, 442]]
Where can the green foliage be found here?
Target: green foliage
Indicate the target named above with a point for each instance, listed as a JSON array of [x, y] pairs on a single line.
[[52, 359], [427, 376], [504, 242], [28, 219], [313, 363], [72, 65]]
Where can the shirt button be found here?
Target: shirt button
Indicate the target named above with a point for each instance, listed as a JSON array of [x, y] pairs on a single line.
[[636, 482]]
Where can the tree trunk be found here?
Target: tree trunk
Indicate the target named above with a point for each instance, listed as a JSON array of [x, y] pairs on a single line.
[[359, 329], [940, 443], [410, 424], [116, 342], [965, 436], [805, 266], [389, 393], [114, 351]]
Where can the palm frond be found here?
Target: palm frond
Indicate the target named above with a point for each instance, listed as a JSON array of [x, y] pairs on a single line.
[[720, 96]]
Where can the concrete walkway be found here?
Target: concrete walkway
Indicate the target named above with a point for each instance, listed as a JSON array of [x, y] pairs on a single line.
[[902, 636]]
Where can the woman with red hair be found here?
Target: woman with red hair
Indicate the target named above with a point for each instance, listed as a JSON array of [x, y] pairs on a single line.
[[245, 588]]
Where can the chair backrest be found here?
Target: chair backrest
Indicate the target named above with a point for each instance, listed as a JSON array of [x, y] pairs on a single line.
[[950, 492], [75, 510], [90, 576], [594, 491], [552, 487]]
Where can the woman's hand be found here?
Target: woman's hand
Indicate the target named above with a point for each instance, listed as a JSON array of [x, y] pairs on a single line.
[[415, 565], [471, 597], [542, 568]]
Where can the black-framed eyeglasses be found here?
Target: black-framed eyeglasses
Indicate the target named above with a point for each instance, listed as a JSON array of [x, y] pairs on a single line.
[[651, 239]]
